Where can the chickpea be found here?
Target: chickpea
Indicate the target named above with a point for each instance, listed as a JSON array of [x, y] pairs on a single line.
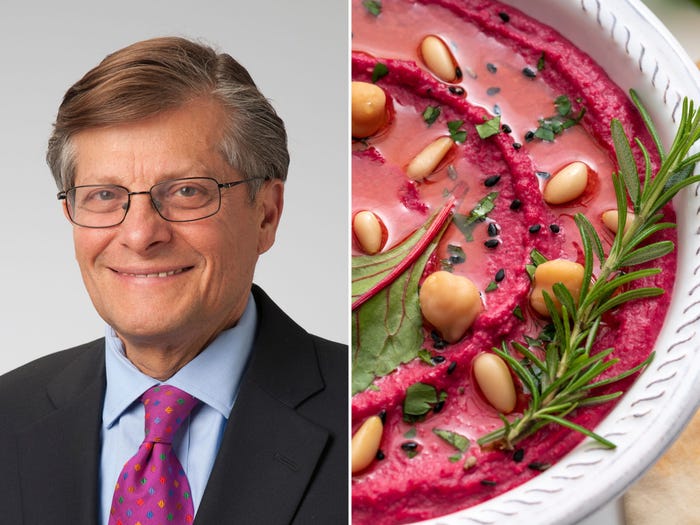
[[568, 273], [450, 303], [495, 382], [567, 184], [368, 109], [365, 443]]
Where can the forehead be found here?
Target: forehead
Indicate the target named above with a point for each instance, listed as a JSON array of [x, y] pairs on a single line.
[[181, 142]]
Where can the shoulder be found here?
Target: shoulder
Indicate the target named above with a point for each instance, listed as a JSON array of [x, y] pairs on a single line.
[[24, 390]]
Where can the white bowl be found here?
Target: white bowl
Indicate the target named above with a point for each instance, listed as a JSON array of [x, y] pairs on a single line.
[[638, 52]]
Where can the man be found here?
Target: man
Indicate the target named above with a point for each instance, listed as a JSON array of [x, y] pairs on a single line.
[[170, 165]]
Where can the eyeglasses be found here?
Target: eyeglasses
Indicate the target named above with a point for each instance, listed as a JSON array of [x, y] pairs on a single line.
[[177, 200]]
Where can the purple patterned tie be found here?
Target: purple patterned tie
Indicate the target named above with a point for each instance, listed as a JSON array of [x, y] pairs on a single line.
[[152, 487]]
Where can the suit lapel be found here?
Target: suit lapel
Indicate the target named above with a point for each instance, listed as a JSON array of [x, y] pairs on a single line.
[[58, 456], [268, 448]]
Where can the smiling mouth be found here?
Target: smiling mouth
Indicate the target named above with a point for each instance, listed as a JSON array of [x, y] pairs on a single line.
[[157, 274]]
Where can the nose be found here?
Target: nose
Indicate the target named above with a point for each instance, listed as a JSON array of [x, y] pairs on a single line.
[[143, 228]]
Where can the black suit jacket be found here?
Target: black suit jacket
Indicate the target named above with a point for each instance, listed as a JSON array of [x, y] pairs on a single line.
[[283, 458]]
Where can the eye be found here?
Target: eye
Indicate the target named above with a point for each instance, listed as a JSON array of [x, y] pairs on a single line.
[[187, 191]]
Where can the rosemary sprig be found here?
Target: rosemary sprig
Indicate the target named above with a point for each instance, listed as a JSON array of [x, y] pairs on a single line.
[[566, 377]]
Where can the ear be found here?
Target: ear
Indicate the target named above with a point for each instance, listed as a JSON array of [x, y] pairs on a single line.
[[270, 202], [64, 205]]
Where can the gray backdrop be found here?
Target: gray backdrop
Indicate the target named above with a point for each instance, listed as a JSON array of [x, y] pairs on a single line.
[[297, 54]]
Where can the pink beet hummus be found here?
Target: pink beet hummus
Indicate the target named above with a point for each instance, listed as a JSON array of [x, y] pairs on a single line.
[[515, 67]]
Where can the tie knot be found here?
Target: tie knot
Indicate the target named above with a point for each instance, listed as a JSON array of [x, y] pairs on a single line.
[[166, 408]]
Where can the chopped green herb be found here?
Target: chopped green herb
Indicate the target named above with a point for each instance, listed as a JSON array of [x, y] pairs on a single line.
[[410, 433], [456, 134], [419, 400], [373, 7], [454, 458], [425, 356], [563, 105], [551, 126], [492, 287], [431, 114], [466, 223], [518, 313], [458, 441], [489, 128], [380, 70], [373, 388], [540, 62]]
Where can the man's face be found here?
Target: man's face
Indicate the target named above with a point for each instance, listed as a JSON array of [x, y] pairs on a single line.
[[207, 264]]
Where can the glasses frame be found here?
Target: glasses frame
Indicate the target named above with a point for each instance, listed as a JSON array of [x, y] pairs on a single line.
[[63, 195]]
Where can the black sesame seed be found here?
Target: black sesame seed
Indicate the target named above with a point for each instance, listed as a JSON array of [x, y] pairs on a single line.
[[456, 90], [529, 136], [409, 446], [515, 205], [529, 72], [537, 465], [437, 359], [535, 228], [380, 455], [491, 243], [382, 416], [451, 368], [438, 406], [496, 109], [506, 128], [492, 180], [555, 228], [491, 68], [518, 455], [543, 174], [493, 90], [488, 483], [439, 345], [517, 145], [492, 229], [500, 275], [504, 16], [458, 73]]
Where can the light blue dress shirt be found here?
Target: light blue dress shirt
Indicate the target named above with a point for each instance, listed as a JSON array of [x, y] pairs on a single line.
[[213, 377]]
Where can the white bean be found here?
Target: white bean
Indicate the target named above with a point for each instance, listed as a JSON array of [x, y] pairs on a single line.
[[368, 230], [495, 382], [365, 443], [439, 59], [567, 184], [610, 217], [428, 159]]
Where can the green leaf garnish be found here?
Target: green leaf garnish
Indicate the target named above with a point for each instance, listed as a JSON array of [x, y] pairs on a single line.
[[458, 441], [431, 114], [380, 70], [456, 134], [425, 356], [492, 287], [489, 128], [565, 378], [373, 7], [419, 400]]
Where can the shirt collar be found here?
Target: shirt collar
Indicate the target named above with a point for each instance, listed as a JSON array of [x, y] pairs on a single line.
[[213, 376]]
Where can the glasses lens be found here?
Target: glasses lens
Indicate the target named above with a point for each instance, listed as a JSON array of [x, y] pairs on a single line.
[[97, 206], [181, 200]]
